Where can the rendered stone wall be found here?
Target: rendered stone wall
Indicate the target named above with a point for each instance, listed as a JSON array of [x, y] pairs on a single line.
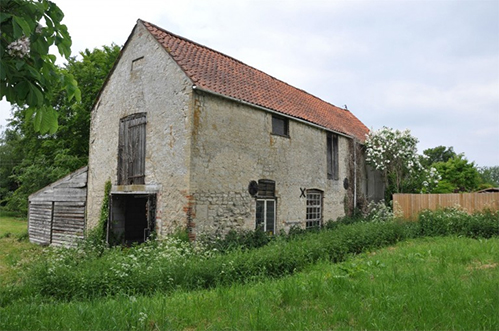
[[233, 144], [203, 150], [147, 80]]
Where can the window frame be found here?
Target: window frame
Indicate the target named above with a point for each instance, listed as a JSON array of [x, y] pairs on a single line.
[[276, 130], [266, 195], [263, 223], [314, 208], [332, 155]]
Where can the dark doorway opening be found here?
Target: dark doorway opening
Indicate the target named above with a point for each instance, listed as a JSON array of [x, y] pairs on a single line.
[[132, 218]]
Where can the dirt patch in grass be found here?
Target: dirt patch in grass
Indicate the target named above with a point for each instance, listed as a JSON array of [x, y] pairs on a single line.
[[478, 265]]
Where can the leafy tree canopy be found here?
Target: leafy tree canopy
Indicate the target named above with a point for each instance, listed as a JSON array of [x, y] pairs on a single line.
[[490, 175], [28, 73], [437, 154], [31, 160], [458, 175]]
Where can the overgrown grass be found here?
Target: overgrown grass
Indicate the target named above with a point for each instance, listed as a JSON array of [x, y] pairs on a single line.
[[15, 250], [91, 271], [172, 264], [428, 283], [12, 225], [174, 267]]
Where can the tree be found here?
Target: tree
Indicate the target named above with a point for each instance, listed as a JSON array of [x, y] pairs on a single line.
[[33, 160], [437, 154], [458, 175], [28, 73], [490, 175], [394, 154]]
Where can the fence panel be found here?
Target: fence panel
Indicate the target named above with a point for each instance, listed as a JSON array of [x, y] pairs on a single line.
[[409, 206]]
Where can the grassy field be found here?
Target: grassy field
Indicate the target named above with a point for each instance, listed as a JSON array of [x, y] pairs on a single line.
[[11, 225], [15, 250], [445, 283]]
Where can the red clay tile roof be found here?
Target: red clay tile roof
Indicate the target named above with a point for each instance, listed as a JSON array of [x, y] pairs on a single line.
[[219, 73]]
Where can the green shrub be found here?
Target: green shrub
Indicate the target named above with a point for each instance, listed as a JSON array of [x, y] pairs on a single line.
[[234, 240], [98, 234], [91, 271], [454, 221]]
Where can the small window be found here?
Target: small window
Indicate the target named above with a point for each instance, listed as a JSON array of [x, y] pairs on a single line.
[[280, 126], [266, 206], [265, 215], [138, 63], [314, 208], [332, 157]]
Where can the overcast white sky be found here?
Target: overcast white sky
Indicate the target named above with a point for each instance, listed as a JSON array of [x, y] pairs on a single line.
[[429, 66]]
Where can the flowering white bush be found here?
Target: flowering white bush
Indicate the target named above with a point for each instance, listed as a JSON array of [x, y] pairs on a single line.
[[432, 178], [394, 154], [379, 212]]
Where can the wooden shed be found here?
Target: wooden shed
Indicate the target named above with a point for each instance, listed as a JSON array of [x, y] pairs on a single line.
[[56, 214]]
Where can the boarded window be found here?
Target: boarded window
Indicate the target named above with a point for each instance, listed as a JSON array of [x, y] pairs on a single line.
[[280, 126], [314, 208], [132, 150], [332, 157], [266, 188]]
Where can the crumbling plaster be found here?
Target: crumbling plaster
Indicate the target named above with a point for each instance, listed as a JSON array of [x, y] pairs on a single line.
[[145, 79]]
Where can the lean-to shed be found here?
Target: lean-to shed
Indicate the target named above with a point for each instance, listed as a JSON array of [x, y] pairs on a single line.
[[56, 214]]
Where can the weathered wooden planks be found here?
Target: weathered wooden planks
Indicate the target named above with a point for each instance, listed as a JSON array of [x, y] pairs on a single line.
[[57, 212]]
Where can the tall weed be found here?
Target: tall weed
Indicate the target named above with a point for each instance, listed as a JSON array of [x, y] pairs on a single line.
[[455, 221], [92, 271]]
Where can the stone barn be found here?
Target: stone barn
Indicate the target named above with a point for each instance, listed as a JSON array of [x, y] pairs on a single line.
[[190, 137]]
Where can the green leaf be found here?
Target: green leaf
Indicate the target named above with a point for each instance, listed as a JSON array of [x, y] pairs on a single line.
[[46, 120], [35, 96], [55, 13], [29, 113], [3, 73], [4, 17], [77, 94], [21, 27], [19, 64], [33, 72], [39, 46], [64, 46], [50, 25], [23, 89]]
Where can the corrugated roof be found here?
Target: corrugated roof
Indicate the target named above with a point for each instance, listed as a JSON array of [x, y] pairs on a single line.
[[221, 74]]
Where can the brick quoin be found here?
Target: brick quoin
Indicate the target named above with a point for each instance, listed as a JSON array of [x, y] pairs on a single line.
[[191, 215]]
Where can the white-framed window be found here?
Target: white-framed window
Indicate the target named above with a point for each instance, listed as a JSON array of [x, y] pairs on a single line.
[[265, 215], [314, 208]]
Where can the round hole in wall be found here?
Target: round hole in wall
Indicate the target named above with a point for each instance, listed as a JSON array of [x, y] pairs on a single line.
[[346, 184]]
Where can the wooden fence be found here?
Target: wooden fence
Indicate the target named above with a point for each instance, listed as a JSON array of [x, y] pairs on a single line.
[[409, 206]]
